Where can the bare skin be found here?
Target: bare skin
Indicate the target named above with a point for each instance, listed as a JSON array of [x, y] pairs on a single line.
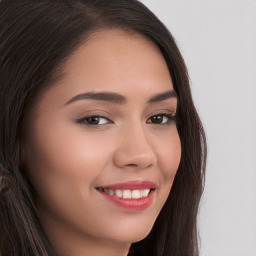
[[68, 156]]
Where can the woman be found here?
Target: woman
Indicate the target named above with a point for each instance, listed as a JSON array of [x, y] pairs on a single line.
[[102, 151]]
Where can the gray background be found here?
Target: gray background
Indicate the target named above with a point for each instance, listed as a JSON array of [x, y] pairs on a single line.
[[218, 41]]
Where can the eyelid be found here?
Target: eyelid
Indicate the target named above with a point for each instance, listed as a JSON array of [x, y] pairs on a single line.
[[162, 112], [168, 113], [97, 113]]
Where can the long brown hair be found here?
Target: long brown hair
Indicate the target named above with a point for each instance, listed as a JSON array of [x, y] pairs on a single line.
[[36, 38]]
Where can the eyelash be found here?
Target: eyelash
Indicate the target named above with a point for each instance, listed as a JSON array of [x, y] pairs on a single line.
[[84, 120]]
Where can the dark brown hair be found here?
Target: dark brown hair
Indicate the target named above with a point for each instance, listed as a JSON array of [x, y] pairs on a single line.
[[36, 37]]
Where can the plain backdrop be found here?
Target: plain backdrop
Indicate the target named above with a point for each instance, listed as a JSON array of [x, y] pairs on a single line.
[[218, 41]]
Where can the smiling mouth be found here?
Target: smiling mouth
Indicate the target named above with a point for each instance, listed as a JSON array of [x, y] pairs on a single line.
[[132, 195], [127, 193]]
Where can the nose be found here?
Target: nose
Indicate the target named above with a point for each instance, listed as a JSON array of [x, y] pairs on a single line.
[[134, 149]]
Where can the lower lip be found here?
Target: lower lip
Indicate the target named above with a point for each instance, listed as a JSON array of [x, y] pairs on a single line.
[[131, 204]]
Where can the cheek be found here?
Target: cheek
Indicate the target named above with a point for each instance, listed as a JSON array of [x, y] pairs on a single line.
[[63, 165], [62, 160], [169, 155]]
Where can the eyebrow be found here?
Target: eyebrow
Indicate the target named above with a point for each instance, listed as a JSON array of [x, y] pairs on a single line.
[[163, 96], [117, 98]]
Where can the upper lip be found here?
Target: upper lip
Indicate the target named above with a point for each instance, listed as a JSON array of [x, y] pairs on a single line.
[[141, 184]]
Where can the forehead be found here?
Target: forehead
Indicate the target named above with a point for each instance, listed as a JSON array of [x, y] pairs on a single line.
[[115, 61], [110, 54]]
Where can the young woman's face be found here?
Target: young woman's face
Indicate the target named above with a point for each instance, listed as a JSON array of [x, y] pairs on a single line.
[[107, 125]]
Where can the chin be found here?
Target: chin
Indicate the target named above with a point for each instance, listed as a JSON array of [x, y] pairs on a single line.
[[133, 233]]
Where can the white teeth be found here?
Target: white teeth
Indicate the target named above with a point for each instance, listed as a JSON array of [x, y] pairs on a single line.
[[136, 194], [127, 193], [145, 192], [119, 193]]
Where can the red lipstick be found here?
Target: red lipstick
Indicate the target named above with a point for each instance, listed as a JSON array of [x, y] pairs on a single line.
[[131, 195]]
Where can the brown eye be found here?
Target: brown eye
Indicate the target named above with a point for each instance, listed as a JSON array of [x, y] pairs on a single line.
[[94, 120], [157, 119], [161, 119]]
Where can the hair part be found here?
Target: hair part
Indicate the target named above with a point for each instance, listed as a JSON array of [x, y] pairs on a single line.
[[37, 37]]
